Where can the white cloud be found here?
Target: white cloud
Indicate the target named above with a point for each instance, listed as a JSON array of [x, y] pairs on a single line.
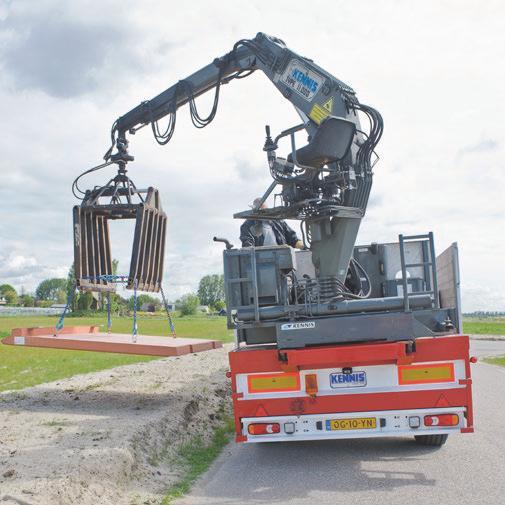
[[426, 66], [22, 271]]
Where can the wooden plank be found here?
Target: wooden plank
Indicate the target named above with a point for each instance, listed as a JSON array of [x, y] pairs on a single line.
[[88, 338]]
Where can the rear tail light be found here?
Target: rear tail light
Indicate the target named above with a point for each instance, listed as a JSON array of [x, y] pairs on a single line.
[[442, 420], [263, 428]]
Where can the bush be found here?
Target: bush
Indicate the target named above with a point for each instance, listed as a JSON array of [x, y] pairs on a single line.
[[188, 304], [219, 305], [26, 301], [43, 303]]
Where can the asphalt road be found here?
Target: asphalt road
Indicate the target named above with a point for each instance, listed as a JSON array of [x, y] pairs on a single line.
[[469, 469]]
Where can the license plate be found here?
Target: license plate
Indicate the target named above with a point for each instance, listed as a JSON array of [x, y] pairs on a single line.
[[357, 423], [347, 380]]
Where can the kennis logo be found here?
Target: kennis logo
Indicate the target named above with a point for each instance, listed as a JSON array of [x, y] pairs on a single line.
[[304, 79], [346, 380], [299, 326]]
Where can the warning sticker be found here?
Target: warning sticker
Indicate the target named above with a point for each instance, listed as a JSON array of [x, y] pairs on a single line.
[[301, 80], [320, 112], [328, 105]]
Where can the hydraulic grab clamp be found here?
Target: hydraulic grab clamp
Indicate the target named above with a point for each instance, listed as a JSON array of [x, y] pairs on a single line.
[[92, 249]]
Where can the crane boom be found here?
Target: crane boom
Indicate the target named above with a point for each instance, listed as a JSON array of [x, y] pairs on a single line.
[[299, 79], [324, 184]]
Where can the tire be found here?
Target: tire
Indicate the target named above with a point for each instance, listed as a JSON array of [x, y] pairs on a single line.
[[431, 440]]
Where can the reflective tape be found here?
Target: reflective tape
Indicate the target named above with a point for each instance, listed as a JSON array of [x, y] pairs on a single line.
[[425, 374], [266, 383]]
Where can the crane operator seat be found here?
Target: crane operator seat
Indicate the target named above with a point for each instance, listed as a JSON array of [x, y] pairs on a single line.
[[330, 142]]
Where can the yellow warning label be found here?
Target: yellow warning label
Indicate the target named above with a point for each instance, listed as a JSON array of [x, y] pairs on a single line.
[[419, 374], [321, 112], [318, 113], [268, 383]]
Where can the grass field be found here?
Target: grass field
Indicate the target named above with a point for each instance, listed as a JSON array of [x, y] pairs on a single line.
[[487, 326], [22, 366], [499, 360]]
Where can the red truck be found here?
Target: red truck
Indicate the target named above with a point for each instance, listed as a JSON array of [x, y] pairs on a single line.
[[420, 387], [354, 391]]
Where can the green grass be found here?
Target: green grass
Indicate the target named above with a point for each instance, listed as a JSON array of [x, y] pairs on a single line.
[[195, 458], [497, 360], [55, 424], [488, 326], [21, 367]]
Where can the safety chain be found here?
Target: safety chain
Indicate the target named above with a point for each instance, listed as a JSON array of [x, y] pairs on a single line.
[[109, 321], [70, 299], [135, 328], [116, 279], [165, 304]]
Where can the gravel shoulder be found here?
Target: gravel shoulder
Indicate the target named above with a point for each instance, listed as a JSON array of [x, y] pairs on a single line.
[[109, 437]]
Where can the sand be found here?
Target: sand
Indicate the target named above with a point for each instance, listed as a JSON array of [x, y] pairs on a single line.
[[109, 437]]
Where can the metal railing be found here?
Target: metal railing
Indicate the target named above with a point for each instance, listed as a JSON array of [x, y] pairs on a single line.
[[429, 266]]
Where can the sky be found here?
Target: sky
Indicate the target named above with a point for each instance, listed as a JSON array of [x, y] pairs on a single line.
[[434, 69]]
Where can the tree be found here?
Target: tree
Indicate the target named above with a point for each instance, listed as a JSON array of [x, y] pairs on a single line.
[[54, 290], [26, 301], [211, 289], [70, 288], [85, 300], [188, 304], [119, 305], [9, 293]]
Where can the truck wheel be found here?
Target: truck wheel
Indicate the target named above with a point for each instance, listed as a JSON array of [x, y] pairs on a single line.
[[431, 440]]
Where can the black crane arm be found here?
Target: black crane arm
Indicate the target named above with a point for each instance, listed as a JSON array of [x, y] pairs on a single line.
[[314, 93], [207, 78]]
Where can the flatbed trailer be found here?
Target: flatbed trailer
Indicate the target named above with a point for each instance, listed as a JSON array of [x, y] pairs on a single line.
[[420, 388]]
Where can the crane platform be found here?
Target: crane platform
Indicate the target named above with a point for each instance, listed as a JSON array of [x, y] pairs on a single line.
[[89, 338]]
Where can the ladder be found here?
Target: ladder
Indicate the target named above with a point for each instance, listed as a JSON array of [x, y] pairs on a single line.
[[429, 266]]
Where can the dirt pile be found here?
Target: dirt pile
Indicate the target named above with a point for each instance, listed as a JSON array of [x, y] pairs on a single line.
[[109, 437]]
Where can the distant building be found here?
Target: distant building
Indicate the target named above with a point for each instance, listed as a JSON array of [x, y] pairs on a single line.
[[203, 308], [148, 307], [3, 301]]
